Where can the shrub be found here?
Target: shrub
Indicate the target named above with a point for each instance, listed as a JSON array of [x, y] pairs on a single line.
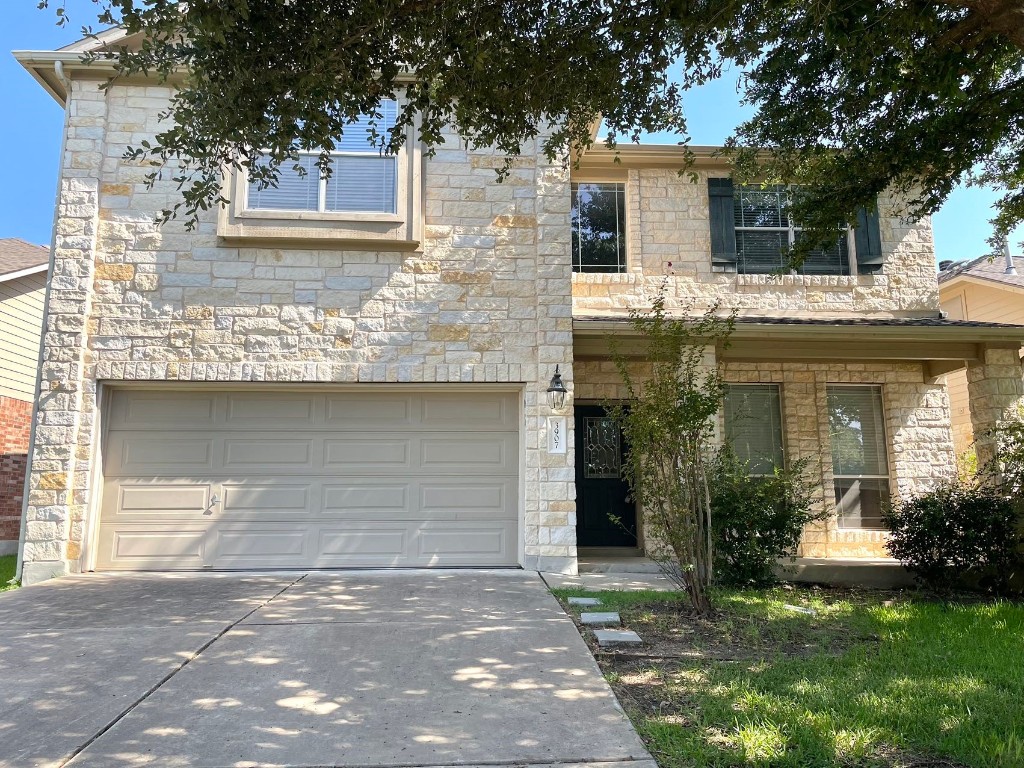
[[757, 519], [955, 534]]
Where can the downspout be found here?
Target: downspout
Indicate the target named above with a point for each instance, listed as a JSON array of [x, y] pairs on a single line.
[[58, 69], [1010, 269]]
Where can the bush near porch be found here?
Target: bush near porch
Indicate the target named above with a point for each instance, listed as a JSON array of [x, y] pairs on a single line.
[[871, 680]]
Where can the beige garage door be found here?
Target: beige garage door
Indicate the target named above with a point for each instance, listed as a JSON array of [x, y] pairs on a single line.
[[280, 479]]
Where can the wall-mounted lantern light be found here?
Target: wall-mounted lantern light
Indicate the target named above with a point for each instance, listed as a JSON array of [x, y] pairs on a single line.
[[557, 392]]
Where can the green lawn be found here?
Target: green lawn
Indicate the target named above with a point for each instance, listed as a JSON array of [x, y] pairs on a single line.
[[7, 565], [868, 681]]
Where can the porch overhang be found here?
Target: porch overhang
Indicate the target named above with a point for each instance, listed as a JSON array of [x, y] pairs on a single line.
[[941, 345]]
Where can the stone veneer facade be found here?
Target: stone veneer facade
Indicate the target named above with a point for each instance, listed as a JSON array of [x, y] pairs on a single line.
[[485, 300], [916, 423], [668, 235]]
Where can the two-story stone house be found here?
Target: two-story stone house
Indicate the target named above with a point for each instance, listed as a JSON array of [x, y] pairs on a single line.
[[353, 372]]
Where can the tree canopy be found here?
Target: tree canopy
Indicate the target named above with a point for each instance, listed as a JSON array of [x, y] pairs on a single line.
[[851, 97]]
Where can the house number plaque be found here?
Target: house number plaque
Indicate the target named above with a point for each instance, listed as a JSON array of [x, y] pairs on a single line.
[[556, 434]]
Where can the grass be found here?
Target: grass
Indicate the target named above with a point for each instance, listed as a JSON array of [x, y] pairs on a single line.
[[7, 566], [868, 681]]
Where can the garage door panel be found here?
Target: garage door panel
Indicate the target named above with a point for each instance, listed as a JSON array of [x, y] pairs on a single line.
[[267, 499], [491, 455], [491, 499], [378, 498], [270, 410], [470, 544], [231, 546], [483, 412], [139, 454], [310, 480], [268, 452], [384, 544], [143, 409], [162, 499], [370, 411], [377, 455], [153, 547]]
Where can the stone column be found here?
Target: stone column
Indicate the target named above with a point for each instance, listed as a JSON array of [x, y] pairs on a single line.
[[995, 387], [59, 476]]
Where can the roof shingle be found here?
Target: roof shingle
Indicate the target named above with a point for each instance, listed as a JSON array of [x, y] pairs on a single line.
[[984, 268], [16, 255]]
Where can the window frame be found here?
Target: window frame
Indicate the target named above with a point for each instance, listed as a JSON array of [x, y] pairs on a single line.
[[342, 230], [322, 212], [880, 388], [791, 231], [782, 418], [624, 267]]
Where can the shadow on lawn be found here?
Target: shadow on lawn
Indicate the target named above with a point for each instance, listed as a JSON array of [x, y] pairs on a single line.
[[941, 687]]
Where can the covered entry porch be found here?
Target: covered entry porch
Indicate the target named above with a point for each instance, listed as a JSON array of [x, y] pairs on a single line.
[[814, 389]]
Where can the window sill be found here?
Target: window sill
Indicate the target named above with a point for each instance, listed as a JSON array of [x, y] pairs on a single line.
[[332, 216], [827, 281]]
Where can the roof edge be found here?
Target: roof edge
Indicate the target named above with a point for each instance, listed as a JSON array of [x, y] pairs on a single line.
[[6, 278]]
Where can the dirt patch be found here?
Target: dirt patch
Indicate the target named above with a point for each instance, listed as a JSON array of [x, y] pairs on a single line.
[[670, 631]]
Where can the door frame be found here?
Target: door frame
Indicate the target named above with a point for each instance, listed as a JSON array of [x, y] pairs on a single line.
[[641, 534]]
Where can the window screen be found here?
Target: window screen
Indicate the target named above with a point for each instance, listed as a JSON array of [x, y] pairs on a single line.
[[362, 179], [859, 456], [753, 425], [598, 227]]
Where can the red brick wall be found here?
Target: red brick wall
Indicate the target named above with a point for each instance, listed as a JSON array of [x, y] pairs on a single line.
[[15, 423]]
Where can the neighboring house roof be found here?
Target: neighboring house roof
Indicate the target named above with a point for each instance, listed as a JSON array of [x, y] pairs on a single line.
[[984, 268], [18, 258]]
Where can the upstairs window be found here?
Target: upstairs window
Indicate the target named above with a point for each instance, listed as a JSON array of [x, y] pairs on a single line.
[[860, 463], [362, 179], [765, 231], [751, 230], [753, 425], [598, 227]]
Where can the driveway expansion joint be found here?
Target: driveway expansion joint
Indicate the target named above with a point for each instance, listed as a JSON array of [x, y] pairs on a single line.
[[163, 681]]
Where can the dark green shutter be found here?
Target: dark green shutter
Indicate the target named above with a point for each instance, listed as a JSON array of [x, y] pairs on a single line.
[[868, 239], [723, 226]]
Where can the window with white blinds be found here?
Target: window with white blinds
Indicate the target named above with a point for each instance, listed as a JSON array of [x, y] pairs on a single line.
[[753, 425], [765, 231], [363, 180], [860, 462]]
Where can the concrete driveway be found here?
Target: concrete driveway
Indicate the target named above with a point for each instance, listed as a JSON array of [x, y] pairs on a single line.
[[369, 669]]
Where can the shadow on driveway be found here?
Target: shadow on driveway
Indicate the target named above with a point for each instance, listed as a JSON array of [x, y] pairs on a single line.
[[402, 668]]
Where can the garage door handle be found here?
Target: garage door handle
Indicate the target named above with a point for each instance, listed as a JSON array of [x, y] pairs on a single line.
[[214, 500]]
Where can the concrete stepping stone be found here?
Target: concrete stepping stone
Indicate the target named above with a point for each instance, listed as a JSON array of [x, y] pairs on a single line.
[[586, 601], [611, 638], [601, 619]]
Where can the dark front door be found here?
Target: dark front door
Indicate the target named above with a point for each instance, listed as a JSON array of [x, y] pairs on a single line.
[[601, 492]]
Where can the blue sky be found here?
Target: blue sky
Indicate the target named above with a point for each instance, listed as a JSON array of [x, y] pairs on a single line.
[[31, 128]]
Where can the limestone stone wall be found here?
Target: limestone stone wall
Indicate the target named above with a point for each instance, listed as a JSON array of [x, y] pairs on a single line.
[[916, 422], [668, 235], [485, 299]]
